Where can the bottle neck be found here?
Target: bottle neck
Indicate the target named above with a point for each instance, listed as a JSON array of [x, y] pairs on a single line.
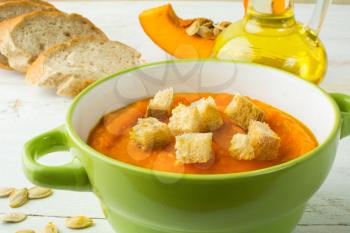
[[271, 13]]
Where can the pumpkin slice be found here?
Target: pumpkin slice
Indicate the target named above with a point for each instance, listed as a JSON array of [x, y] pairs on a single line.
[[168, 31]]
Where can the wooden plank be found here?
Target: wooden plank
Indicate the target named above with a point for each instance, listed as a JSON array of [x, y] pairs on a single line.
[[101, 226], [322, 229], [38, 222], [26, 111]]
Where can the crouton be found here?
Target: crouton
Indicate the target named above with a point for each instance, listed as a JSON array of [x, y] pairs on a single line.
[[210, 116], [185, 119], [194, 148], [240, 147], [150, 133], [241, 110], [160, 106], [264, 140]]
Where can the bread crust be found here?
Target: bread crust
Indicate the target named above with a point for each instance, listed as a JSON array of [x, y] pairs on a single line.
[[72, 86], [160, 105], [9, 26], [7, 4], [5, 27], [4, 65], [33, 1]]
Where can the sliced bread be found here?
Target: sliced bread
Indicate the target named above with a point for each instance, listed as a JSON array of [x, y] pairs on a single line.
[[24, 37], [35, 1], [11, 9], [72, 66]]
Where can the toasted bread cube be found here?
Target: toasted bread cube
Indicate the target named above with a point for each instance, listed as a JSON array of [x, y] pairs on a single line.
[[264, 140], [210, 116], [194, 148], [185, 119], [160, 105], [240, 147], [241, 111], [149, 133]]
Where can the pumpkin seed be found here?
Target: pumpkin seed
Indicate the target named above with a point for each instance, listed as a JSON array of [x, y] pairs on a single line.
[[39, 192], [50, 228], [206, 32], [207, 23], [193, 28], [206, 29], [25, 231], [79, 222], [216, 32], [5, 192], [13, 217], [18, 198]]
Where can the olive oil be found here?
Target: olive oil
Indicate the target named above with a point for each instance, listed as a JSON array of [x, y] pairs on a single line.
[[275, 40]]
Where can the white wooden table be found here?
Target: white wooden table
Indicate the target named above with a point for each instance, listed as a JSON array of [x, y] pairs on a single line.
[[26, 111]]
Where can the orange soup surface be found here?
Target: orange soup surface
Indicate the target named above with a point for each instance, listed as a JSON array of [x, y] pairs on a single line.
[[111, 137]]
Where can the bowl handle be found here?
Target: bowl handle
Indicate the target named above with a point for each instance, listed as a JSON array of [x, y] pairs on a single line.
[[343, 102], [71, 176]]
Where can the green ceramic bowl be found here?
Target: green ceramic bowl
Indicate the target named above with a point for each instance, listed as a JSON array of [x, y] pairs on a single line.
[[137, 200]]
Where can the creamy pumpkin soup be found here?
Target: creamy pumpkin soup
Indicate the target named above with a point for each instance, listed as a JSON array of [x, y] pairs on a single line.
[[201, 134]]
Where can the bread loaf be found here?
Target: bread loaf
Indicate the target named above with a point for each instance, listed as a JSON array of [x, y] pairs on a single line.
[[71, 66], [24, 37], [11, 9], [35, 1]]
